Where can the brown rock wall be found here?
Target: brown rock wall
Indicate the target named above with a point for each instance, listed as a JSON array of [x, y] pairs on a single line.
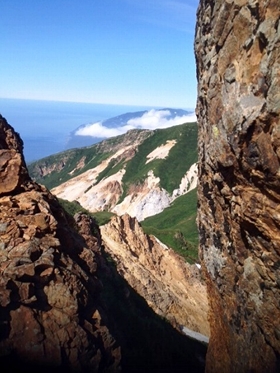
[[170, 286], [238, 62], [50, 312]]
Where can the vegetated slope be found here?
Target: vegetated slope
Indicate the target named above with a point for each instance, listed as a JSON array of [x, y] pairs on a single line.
[[171, 169], [56, 169], [101, 217], [134, 179], [140, 173], [176, 226]]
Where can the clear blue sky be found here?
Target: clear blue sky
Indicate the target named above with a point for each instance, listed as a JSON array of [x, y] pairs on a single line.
[[130, 52]]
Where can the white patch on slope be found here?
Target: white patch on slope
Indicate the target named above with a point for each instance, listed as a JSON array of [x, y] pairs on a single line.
[[75, 188], [151, 200], [162, 151], [188, 182], [148, 201], [103, 195], [195, 335]]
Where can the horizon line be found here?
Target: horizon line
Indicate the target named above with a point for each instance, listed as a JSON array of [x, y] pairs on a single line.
[[99, 103]]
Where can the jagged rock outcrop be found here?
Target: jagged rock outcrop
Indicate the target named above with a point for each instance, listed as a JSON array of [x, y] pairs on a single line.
[[238, 62], [51, 317], [170, 286]]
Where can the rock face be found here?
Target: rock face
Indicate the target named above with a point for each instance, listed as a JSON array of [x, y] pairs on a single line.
[[238, 62], [12, 165], [49, 307], [170, 286]]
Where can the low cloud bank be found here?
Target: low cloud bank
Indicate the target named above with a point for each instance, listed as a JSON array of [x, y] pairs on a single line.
[[151, 120]]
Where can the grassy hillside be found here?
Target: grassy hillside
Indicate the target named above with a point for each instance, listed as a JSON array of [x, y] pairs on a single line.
[[64, 164], [169, 170], [61, 167], [176, 226], [58, 168], [72, 208]]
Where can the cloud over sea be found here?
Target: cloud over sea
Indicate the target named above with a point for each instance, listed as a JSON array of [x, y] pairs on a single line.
[[152, 119]]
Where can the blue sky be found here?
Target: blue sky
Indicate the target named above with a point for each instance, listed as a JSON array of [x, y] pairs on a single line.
[[128, 52]]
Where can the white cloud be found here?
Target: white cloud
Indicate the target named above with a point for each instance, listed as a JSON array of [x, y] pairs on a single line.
[[151, 120], [98, 130], [159, 119]]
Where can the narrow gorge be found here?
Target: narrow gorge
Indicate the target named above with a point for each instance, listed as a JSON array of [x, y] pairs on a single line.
[[76, 297], [64, 306]]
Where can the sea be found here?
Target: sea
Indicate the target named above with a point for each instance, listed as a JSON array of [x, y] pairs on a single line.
[[45, 126]]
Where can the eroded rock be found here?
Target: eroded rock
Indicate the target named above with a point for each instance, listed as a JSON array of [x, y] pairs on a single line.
[[237, 52], [170, 286], [49, 291]]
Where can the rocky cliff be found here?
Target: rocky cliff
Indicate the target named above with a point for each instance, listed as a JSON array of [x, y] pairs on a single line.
[[238, 62], [51, 316], [170, 286]]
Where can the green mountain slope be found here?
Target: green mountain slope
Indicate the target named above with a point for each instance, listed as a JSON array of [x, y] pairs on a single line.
[[56, 169], [176, 226], [169, 170]]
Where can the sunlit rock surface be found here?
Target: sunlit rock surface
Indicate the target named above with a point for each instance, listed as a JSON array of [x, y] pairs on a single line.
[[172, 288], [238, 62], [50, 312]]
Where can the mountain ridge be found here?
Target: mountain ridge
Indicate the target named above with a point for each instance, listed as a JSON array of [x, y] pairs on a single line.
[[128, 166]]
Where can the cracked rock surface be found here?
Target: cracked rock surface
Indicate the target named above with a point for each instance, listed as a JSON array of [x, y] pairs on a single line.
[[50, 312], [238, 62]]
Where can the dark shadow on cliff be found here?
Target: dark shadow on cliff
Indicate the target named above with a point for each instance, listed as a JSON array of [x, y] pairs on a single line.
[[148, 342]]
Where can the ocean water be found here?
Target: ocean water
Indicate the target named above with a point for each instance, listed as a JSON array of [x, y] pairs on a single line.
[[44, 126]]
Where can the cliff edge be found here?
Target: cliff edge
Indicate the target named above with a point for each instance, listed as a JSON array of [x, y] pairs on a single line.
[[238, 62]]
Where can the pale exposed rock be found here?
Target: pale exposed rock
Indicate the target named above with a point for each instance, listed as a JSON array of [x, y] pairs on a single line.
[[237, 52], [171, 287], [188, 182], [144, 200], [161, 152], [105, 195]]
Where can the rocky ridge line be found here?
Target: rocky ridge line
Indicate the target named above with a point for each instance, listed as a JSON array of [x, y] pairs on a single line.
[[171, 287]]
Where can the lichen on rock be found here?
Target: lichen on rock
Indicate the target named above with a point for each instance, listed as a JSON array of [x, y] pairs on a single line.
[[237, 53]]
